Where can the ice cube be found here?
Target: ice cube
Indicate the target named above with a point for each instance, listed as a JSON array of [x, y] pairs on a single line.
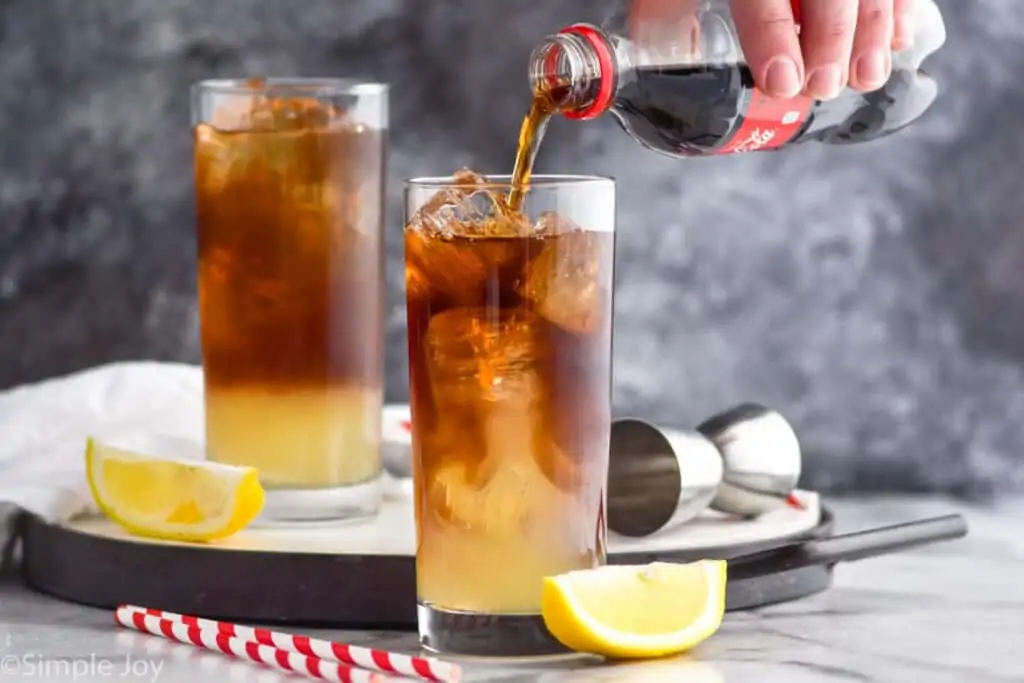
[[235, 114], [558, 467], [469, 208], [445, 250], [507, 493], [461, 214], [485, 367], [462, 271], [550, 223], [426, 220], [293, 165], [478, 207], [218, 158], [438, 267], [569, 281], [293, 114], [265, 110], [484, 355]]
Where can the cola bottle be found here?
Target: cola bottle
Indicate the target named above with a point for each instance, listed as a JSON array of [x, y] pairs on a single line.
[[679, 84]]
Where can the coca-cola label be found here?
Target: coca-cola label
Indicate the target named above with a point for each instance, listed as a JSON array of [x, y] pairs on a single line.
[[768, 123]]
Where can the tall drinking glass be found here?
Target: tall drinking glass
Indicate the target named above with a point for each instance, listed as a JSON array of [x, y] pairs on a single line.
[[510, 339], [289, 194]]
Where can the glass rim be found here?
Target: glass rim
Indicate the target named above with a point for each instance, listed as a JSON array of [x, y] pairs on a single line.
[[313, 85], [504, 181]]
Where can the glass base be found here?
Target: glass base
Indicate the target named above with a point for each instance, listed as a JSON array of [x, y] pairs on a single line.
[[475, 634], [357, 501]]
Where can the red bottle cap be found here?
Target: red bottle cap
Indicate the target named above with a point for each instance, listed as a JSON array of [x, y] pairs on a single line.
[[606, 62]]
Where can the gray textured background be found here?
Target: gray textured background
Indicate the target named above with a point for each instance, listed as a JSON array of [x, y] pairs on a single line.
[[875, 295]]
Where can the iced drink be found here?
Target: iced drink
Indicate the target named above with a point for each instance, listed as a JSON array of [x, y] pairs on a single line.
[[289, 193], [509, 319]]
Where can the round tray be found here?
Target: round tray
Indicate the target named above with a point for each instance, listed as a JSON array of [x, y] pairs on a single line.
[[355, 575]]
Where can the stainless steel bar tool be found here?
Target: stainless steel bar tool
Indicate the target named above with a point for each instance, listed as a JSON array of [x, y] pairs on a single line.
[[658, 479], [745, 461], [761, 460]]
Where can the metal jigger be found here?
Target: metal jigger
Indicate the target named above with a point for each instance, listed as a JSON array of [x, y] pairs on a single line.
[[745, 461], [761, 459], [658, 479]]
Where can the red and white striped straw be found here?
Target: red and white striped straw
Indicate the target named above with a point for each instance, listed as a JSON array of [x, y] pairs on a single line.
[[266, 655], [423, 668]]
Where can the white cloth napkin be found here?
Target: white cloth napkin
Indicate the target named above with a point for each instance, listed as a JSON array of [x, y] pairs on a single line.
[[151, 407]]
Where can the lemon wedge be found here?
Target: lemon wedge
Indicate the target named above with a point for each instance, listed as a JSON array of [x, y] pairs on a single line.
[[179, 500], [634, 612]]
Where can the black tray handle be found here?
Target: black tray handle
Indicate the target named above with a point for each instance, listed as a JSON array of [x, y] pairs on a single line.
[[859, 545]]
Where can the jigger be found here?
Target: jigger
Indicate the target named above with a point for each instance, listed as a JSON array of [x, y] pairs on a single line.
[[745, 461], [760, 457], [658, 479]]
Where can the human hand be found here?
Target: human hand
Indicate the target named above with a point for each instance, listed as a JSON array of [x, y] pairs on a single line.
[[840, 43]]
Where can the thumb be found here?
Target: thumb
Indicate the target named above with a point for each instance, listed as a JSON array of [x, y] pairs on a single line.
[[768, 35]]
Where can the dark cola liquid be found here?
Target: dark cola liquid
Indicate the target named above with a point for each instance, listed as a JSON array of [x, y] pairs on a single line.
[[695, 111], [531, 133]]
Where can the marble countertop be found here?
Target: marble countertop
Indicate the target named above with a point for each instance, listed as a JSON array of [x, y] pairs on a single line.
[[951, 612]]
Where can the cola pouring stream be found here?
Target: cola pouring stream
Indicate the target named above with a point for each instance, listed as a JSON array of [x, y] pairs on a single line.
[[681, 86]]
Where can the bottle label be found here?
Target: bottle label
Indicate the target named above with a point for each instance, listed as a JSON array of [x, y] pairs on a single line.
[[768, 123]]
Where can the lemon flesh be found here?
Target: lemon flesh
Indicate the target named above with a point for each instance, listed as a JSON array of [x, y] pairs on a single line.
[[633, 612], [168, 499]]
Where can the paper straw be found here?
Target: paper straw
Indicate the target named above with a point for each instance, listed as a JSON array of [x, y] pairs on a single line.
[[265, 655], [423, 668]]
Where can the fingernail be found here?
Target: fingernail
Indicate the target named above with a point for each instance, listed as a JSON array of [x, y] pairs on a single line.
[[904, 38], [873, 68], [782, 78], [825, 82]]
